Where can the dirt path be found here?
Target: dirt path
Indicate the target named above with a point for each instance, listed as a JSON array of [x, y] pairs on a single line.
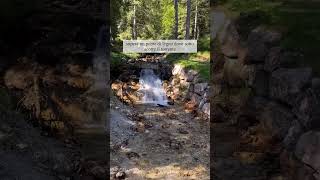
[[149, 142]]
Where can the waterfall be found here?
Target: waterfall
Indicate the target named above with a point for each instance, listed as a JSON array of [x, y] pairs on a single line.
[[151, 88], [100, 66]]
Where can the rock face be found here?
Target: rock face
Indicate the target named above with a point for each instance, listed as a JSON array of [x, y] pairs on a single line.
[[286, 84], [259, 41], [308, 149], [277, 119], [186, 86], [279, 97]]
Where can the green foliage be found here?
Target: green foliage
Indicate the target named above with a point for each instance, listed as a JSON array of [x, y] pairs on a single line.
[[199, 62], [204, 43], [298, 20], [167, 18], [155, 19]]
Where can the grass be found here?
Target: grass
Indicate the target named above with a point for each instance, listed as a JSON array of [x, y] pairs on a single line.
[[298, 20], [199, 62], [118, 57]]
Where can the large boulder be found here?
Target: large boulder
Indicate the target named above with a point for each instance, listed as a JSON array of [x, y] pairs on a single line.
[[293, 135], [235, 73], [307, 109], [230, 43], [259, 42], [276, 119], [286, 84], [308, 149], [258, 80], [278, 57]]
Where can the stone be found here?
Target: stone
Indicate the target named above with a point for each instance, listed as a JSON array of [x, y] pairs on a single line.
[[177, 69], [308, 149], [191, 75], [286, 84], [259, 81], [259, 42], [19, 78], [206, 109], [307, 109], [215, 90], [277, 119], [234, 73], [291, 138], [273, 59], [121, 175], [199, 88], [196, 99], [231, 42], [279, 58], [98, 172]]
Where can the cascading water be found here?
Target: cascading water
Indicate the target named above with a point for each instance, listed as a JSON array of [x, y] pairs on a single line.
[[100, 66], [151, 88]]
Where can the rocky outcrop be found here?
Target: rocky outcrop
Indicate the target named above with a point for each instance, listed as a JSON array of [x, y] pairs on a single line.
[[279, 97], [186, 86]]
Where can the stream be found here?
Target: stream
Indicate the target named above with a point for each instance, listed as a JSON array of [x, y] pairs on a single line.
[[153, 140]]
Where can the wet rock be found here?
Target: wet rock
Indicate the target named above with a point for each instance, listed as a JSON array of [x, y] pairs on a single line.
[[286, 84], [308, 149]]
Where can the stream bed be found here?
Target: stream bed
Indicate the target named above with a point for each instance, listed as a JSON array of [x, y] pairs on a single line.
[[152, 142]]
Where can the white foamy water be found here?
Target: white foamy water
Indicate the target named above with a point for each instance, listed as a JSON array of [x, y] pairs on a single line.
[[151, 88]]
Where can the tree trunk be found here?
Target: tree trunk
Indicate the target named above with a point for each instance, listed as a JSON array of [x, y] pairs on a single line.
[[176, 19], [188, 19], [195, 35], [134, 24]]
